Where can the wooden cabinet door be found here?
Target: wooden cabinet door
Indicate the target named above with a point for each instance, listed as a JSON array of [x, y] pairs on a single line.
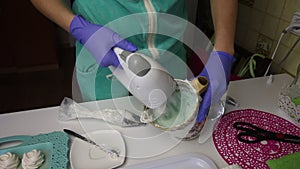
[[27, 37]]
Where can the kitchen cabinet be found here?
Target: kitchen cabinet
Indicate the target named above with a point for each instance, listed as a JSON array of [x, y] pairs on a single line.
[[27, 38]]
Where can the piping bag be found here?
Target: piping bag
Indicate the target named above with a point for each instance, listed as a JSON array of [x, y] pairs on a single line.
[[150, 83], [70, 110]]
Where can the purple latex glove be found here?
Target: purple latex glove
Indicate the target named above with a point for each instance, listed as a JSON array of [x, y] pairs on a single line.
[[99, 41], [217, 71]]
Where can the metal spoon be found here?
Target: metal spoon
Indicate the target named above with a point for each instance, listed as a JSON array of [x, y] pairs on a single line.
[[112, 152]]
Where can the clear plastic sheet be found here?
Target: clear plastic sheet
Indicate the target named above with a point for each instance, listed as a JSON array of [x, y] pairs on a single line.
[[70, 110]]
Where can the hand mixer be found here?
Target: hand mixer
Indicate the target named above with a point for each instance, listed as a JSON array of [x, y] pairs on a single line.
[[150, 83], [147, 80]]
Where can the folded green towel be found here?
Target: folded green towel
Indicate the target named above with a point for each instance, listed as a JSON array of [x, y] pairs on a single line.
[[290, 161], [296, 101]]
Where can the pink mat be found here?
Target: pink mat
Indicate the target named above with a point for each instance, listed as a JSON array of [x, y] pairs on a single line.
[[256, 154]]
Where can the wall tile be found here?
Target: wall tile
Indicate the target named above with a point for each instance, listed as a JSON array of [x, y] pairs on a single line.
[[291, 64], [249, 3], [281, 52], [292, 61], [251, 42], [290, 7], [264, 45], [275, 67], [297, 48], [282, 25], [256, 19], [288, 38], [266, 20], [270, 26], [291, 40], [241, 31], [244, 13], [261, 4], [275, 7]]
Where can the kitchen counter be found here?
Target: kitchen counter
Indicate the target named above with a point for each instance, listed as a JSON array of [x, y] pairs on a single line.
[[249, 93]]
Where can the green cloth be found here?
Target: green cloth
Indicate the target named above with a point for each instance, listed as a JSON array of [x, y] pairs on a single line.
[[290, 161], [296, 101], [117, 15]]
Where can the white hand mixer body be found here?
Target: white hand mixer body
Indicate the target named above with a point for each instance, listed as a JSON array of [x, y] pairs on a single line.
[[146, 79]]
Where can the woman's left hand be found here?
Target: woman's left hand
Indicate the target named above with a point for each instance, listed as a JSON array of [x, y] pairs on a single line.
[[217, 70]]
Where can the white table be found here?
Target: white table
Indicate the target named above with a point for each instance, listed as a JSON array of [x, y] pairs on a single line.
[[250, 93]]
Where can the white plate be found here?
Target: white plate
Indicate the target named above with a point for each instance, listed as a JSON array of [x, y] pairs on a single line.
[[190, 161], [84, 155], [141, 142]]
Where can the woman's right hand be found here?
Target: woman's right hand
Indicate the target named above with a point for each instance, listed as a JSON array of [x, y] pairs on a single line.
[[99, 41]]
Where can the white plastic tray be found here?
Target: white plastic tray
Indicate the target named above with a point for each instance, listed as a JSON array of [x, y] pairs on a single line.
[[190, 161]]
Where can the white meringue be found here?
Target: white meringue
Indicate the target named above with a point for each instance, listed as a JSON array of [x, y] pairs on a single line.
[[33, 159], [9, 161]]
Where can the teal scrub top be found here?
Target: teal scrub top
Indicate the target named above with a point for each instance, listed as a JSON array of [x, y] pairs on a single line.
[[149, 24]]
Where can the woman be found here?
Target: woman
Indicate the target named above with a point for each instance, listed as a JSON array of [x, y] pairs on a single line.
[[96, 24]]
